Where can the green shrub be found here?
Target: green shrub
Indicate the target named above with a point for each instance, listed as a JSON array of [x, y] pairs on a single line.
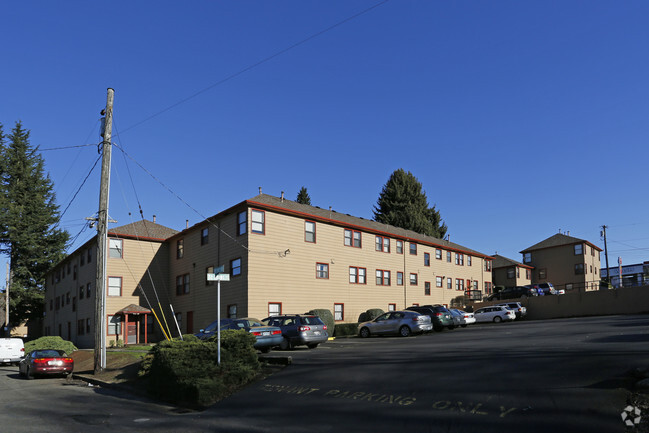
[[51, 342], [346, 329], [370, 314], [326, 316], [187, 373]]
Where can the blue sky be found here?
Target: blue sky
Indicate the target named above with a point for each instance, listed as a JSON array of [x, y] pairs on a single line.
[[520, 119]]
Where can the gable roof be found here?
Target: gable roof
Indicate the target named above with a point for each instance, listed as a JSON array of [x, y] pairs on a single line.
[[290, 207], [143, 229], [502, 262], [558, 240]]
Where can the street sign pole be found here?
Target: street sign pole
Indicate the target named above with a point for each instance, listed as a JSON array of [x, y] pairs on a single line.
[[218, 318]]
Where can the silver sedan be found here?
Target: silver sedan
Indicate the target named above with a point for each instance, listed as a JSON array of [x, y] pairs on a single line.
[[401, 323]]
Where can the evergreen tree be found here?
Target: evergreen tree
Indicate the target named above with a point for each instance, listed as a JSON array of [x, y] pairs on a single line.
[[303, 197], [402, 203], [28, 223]]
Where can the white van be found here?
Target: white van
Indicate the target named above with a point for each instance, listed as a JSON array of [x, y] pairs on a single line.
[[12, 350]]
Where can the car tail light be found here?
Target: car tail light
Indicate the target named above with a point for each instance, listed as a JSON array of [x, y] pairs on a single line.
[[305, 328], [68, 360], [22, 349], [255, 333], [39, 361], [277, 332], [439, 314], [324, 327]]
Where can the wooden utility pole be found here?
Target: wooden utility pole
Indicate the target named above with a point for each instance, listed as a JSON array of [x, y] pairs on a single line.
[[608, 270], [102, 238], [7, 300]]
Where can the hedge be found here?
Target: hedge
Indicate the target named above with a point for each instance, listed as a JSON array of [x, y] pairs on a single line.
[[187, 373], [51, 342], [370, 314], [346, 329]]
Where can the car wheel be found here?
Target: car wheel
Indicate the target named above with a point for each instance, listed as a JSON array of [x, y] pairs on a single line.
[[364, 333], [29, 374], [312, 345], [404, 331], [264, 349], [438, 328], [285, 344], [498, 319], [451, 327], [464, 326], [20, 372]]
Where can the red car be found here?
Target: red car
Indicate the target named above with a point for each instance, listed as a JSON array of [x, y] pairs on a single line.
[[45, 362]]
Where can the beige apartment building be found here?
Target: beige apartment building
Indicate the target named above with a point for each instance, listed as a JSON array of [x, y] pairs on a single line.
[[510, 273], [137, 262], [567, 262], [282, 257]]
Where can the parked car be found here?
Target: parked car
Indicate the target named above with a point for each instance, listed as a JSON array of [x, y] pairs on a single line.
[[12, 350], [494, 313], [45, 362], [458, 319], [547, 288], [267, 336], [299, 330], [515, 292], [518, 309], [401, 323], [439, 315], [462, 318]]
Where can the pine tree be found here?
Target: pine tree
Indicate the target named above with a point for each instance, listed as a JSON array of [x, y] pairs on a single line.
[[28, 223], [303, 197], [402, 203]]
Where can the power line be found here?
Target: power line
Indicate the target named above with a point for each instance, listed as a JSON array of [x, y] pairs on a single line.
[[254, 65], [66, 147], [81, 186]]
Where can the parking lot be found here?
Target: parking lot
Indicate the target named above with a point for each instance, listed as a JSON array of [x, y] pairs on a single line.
[[566, 375]]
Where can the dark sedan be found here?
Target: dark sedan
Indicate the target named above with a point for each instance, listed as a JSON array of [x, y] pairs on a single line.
[[267, 336], [46, 362]]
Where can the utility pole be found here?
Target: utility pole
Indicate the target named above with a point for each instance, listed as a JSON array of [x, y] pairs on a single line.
[[608, 271], [102, 237], [7, 301]]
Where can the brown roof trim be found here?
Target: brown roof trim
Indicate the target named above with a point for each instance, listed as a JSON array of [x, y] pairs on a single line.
[[364, 228], [139, 238]]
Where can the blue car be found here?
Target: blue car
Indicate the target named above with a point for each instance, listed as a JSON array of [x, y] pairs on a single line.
[[267, 336]]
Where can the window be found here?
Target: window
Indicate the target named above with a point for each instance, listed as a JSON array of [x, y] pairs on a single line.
[[413, 279], [448, 256], [180, 248], [426, 288], [527, 274], [114, 286], [543, 274], [468, 260], [209, 271], [459, 284], [487, 265], [87, 326], [339, 312], [258, 221], [114, 325], [205, 236], [322, 270], [426, 259], [382, 277], [115, 250], [74, 272], [449, 283], [579, 269], [189, 327], [242, 223], [579, 249], [182, 284], [89, 255], [357, 275], [399, 247], [88, 290], [510, 273], [74, 303], [82, 259], [439, 281], [51, 304], [274, 308], [413, 249], [309, 231], [232, 311], [352, 238], [383, 244], [438, 254], [235, 267], [459, 259], [487, 287], [81, 292], [67, 298], [392, 307], [80, 327], [527, 258], [399, 278]]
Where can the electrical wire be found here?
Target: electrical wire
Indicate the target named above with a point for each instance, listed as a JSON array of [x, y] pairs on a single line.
[[256, 64], [79, 189]]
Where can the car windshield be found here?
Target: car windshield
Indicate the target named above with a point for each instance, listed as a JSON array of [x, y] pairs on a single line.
[[311, 320], [46, 354]]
